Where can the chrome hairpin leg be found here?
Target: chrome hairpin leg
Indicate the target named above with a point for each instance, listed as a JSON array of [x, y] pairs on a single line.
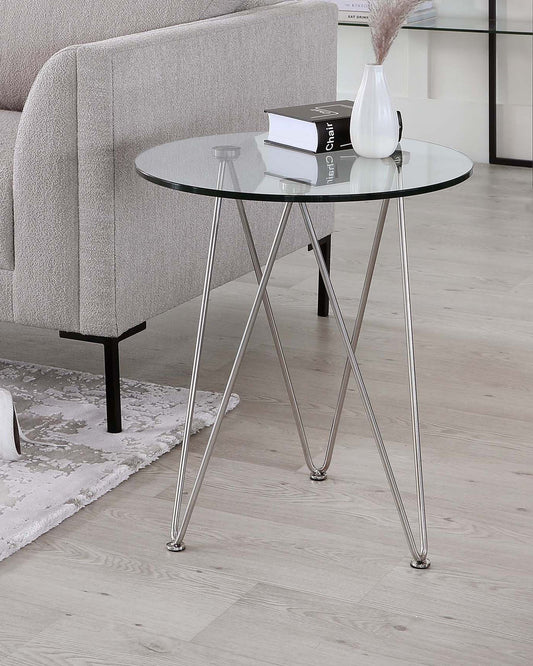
[[316, 473], [421, 562], [180, 524], [356, 332], [419, 555], [173, 545]]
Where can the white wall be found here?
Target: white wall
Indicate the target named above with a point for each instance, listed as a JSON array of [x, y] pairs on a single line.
[[439, 81]]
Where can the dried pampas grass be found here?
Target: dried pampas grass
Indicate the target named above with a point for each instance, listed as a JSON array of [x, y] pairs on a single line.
[[385, 19]]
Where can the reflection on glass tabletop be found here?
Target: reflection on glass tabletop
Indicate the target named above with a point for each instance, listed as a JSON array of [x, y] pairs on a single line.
[[243, 166]]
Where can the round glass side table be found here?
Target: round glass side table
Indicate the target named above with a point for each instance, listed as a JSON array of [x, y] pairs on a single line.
[[244, 167]]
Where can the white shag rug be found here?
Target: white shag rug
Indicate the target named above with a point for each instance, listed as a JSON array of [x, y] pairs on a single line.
[[66, 407]]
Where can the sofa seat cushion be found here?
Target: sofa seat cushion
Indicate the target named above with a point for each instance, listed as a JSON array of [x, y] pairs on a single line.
[[9, 122], [31, 31]]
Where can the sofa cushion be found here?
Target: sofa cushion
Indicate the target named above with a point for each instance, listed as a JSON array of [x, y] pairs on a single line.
[[33, 30], [9, 122]]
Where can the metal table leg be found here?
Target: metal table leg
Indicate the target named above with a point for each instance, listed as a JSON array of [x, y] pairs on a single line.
[[316, 472], [174, 545], [180, 523], [420, 560], [356, 332]]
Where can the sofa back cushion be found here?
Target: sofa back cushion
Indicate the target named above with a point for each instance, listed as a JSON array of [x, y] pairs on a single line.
[[31, 31]]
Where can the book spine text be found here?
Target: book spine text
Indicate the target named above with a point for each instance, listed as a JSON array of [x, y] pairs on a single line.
[[333, 135]]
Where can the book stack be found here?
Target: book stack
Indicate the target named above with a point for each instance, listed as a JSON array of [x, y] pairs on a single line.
[[356, 11]]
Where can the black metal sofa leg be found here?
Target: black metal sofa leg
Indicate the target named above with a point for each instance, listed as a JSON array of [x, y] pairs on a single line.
[[112, 385], [111, 352], [323, 300], [112, 370]]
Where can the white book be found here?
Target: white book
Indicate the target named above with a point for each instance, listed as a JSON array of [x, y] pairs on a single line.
[[364, 6], [317, 128], [352, 5], [363, 17], [353, 17]]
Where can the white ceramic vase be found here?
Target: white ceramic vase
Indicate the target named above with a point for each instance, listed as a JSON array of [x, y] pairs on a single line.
[[374, 122]]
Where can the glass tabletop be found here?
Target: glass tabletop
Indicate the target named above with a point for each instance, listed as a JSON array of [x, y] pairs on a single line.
[[243, 166]]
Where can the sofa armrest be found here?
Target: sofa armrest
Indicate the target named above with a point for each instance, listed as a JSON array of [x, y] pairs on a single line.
[[97, 250], [45, 200]]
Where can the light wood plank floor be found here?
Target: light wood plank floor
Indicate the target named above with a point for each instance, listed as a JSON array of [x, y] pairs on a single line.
[[286, 572]]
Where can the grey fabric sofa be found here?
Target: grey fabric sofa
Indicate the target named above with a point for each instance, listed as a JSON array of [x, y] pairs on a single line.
[[86, 247]]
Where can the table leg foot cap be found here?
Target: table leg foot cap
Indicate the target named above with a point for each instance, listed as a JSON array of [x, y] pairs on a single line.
[[420, 565], [175, 547], [317, 475]]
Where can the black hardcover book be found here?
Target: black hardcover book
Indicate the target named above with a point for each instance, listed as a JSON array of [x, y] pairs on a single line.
[[304, 167], [316, 128]]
